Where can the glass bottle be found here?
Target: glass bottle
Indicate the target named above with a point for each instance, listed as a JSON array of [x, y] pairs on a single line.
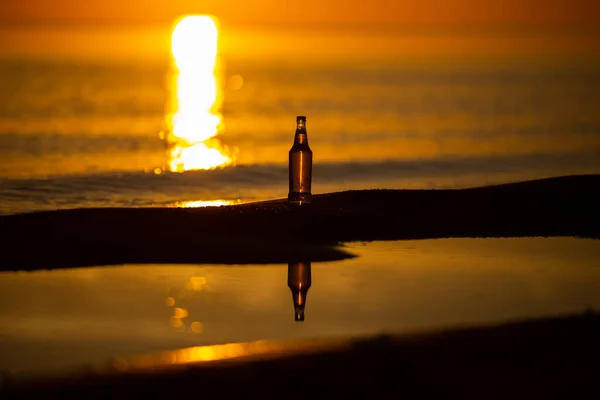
[[300, 165]]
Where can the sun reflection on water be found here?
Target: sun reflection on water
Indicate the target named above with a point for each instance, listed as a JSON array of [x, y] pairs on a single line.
[[194, 120]]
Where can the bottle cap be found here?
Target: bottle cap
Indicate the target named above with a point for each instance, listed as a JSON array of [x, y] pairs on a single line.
[[300, 117]]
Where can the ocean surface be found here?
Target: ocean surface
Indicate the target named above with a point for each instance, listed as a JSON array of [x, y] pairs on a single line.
[[85, 133], [73, 317]]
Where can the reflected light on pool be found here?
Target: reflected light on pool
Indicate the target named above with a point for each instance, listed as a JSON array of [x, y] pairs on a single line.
[[199, 354], [197, 327], [176, 322], [193, 284], [181, 312], [195, 121], [205, 203]]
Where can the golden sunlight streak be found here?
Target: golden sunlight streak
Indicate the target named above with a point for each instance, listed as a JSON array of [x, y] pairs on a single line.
[[205, 203], [196, 98]]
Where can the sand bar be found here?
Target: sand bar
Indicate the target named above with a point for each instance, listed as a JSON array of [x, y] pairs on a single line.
[[276, 232]]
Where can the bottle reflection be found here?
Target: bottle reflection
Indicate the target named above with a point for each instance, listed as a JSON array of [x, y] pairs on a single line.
[[299, 281]]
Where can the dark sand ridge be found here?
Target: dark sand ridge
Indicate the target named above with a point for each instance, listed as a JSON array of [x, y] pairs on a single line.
[[275, 232], [546, 358]]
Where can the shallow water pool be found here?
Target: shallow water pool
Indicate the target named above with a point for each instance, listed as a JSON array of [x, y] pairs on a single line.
[[63, 317]]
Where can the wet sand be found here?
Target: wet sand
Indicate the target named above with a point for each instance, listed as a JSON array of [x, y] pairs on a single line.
[[276, 232], [544, 358]]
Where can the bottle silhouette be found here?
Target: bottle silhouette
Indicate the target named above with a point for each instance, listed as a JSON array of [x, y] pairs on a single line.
[[300, 165], [299, 282]]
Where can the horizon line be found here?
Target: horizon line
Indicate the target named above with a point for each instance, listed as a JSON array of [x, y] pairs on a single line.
[[232, 23]]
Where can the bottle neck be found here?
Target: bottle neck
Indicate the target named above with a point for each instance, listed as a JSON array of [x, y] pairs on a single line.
[[301, 137]]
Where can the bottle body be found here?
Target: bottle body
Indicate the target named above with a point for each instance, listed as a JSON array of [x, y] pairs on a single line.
[[300, 166], [299, 281]]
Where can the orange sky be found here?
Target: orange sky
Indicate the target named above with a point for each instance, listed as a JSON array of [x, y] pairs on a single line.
[[132, 28], [288, 11]]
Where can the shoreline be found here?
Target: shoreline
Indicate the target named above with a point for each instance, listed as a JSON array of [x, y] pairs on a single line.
[[276, 232], [540, 357]]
